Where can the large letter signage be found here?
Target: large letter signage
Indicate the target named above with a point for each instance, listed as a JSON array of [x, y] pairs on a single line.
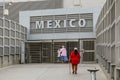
[[71, 23], [82, 22], [39, 24]]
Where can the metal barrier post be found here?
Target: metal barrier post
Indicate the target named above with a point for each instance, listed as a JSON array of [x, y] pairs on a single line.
[[93, 73]]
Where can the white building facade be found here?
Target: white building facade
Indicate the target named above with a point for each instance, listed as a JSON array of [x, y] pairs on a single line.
[[48, 30], [51, 24]]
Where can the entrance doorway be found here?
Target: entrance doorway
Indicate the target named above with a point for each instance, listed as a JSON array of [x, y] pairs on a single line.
[[46, 52]]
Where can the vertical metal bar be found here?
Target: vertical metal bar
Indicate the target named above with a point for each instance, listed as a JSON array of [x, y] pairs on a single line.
[[66, 23], [53, 56]]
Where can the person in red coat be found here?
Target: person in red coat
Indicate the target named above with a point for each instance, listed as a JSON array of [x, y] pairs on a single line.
[[75, 60]]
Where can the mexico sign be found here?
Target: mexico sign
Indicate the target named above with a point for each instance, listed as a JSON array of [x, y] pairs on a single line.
[[49, 23]]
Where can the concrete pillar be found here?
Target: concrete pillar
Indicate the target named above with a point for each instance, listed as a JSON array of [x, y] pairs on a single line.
[[22, 52], [81, 49], [0, 61]]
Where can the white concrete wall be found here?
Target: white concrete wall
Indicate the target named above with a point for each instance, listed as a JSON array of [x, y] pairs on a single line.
[[62, 36]]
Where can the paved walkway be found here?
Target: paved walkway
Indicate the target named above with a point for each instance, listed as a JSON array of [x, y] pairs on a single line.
[[48, 72]]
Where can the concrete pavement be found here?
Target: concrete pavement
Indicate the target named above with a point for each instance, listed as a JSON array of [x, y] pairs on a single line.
[[49, 72]]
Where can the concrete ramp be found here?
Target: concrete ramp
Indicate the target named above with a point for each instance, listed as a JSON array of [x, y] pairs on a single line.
[[49, 72]]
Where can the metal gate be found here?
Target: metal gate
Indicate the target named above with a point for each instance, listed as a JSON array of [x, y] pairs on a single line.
[[46, 52], [39, 52], [68, 45], [88, 46]]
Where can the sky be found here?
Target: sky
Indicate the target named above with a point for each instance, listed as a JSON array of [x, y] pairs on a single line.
[[84, 2]]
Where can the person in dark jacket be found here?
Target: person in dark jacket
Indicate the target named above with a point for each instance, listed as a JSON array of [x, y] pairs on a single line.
[[75, 60]]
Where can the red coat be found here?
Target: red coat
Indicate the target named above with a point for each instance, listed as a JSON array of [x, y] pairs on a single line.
[[75, 59]]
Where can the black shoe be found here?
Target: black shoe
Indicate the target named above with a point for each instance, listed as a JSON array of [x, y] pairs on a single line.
[[75, 72]]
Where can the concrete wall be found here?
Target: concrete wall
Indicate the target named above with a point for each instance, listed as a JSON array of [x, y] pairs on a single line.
[[11, 36], [108, 40]]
